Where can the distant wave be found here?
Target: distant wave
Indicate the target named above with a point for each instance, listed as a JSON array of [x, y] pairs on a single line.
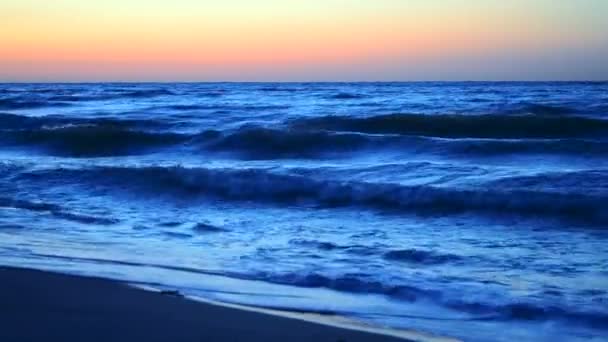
[[145, 93], [112, 94], [137, 94], [539, 109], [464, 126], [82, 98], [14, 121], [264, 186], [224, 107], [27, 101], [17, 103], [347, 96], [563, 109], [181, 107], [280, 89]]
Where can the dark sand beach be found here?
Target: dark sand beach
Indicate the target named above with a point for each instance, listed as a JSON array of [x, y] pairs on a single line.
[[47, 306]]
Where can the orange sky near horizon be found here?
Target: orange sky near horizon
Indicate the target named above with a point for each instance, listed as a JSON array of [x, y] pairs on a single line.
[[314, 40]]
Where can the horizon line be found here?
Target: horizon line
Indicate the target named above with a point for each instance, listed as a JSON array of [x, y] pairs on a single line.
[[295, 82]]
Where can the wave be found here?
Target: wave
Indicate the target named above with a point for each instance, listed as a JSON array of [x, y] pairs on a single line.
[[354, 283], [497, 147], [64, 99], [585, 181], [55, 210], [417, 256], [203, 227], [565, 109], [113, 136], [15, 121], [530, 312], [464, 126], [61, 135], [280, 89], [366, 283], [8, 169], [188, 107], [86, 219], [330, 246], [362, 283], [12, 121], [11, 104], [264, 186], [138, 94], [222, 108], [412, 256], [538, 109], [87, 140], [82, 98], [7, 202], [265, 142], [543, 109], [107, 138], [146, 93], [347, 96]]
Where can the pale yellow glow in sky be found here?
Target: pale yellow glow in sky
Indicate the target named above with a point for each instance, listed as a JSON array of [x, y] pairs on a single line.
[[302, 40]]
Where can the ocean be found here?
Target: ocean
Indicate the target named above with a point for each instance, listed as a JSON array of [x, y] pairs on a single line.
[[470, 210]]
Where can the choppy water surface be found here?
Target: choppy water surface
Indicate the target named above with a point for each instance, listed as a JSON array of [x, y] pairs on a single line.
[[473, 210]]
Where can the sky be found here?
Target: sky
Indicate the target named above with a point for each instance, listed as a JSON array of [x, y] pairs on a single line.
[[303, 40]]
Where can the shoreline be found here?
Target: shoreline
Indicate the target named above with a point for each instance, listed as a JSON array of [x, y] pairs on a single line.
[[40, 304]]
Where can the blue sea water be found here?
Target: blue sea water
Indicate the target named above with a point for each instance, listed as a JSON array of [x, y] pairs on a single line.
[[470, 210]]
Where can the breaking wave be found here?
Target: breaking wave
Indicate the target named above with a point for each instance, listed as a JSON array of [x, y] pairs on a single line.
[[264, 186]]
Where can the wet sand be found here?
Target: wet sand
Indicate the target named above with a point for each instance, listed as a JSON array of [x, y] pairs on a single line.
[[37, 306]]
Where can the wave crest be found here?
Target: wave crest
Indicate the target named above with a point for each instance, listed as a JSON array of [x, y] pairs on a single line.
[[91, 140], [264, 142], [264, 186], [464, 126]]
